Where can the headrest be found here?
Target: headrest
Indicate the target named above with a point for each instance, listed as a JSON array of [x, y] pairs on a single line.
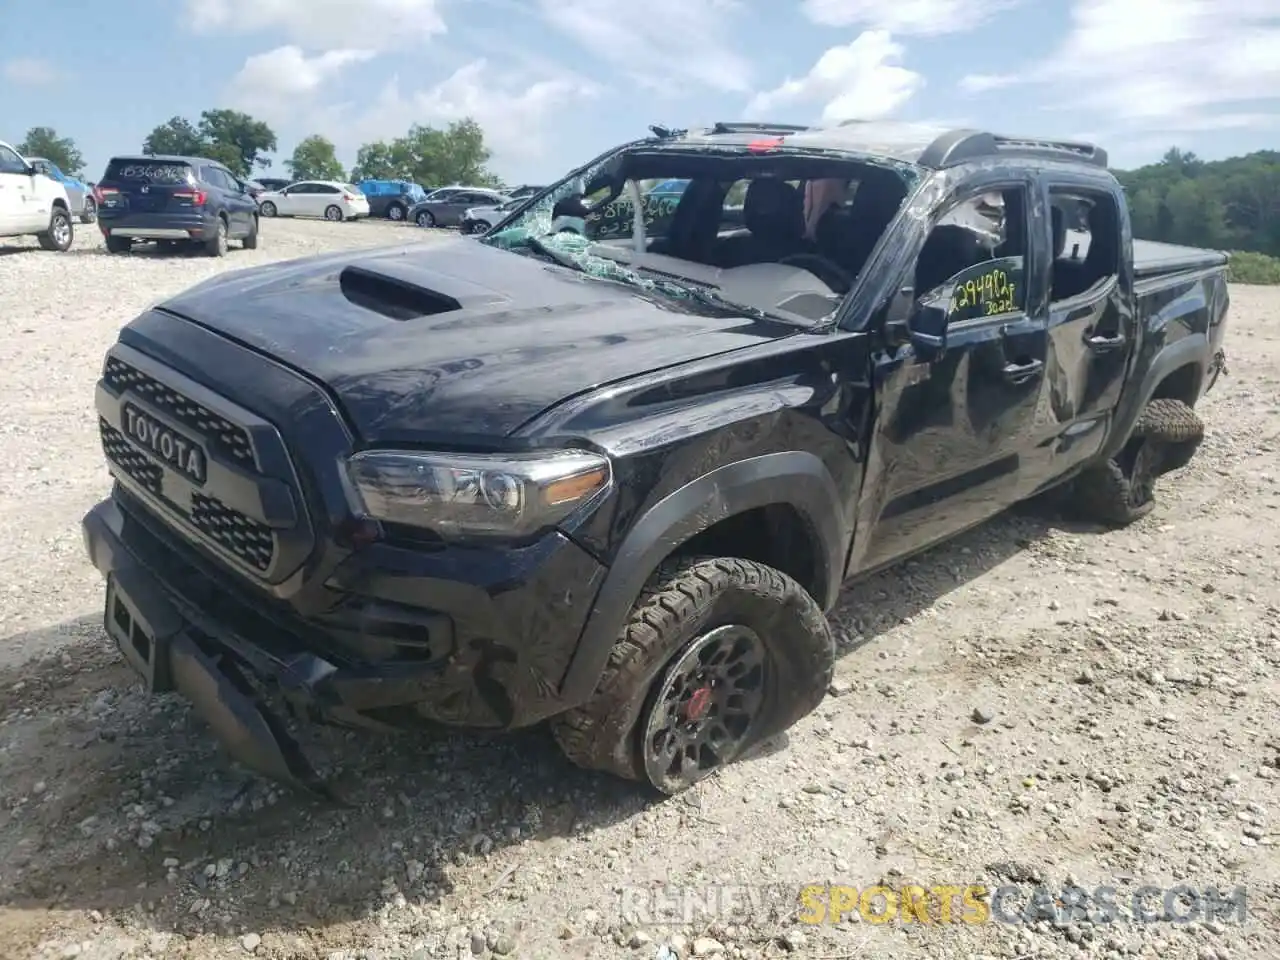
[[773, 205]]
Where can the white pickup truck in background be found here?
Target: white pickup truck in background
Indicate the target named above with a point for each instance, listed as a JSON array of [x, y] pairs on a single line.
[[32, 204]]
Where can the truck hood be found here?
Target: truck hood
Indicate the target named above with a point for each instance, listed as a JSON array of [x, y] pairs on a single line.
[[456, 340]]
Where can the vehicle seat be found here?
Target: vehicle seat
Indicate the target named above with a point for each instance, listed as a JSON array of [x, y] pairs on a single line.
[[773, 213], [948, 250], [847, 235]]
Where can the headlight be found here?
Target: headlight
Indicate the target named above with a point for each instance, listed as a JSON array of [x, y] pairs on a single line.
[[459, 495]]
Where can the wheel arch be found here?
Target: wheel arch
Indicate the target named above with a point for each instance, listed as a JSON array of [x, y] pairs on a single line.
[[792, 494], [1177, 372]]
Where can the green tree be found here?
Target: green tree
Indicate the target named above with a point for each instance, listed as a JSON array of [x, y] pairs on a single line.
[[315, 158], [250, 138], [430, 156], [1231, 204], [176, 136], [45, 142], [381, 161]]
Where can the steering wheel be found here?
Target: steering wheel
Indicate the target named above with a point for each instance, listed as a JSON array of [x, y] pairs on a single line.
[[824, 269]]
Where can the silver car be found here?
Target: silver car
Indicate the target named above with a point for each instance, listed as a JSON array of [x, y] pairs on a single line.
[[483, 219], [79, 194], [442, 209]]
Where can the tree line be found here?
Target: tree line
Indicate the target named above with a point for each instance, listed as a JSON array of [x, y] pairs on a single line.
[[430, 156]]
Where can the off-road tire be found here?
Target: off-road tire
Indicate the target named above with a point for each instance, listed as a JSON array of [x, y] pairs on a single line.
[[250, 242], [60, 235], [118, 244], [216, 246], [684, 599], [1110, 492]]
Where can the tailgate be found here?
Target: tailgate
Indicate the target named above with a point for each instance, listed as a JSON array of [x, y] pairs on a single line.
[[149, 186]]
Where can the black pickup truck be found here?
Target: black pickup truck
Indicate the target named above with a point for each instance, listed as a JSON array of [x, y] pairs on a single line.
[[614, 480]]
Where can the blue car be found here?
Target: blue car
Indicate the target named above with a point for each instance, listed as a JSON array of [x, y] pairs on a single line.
[[391, 198], [79, 193]]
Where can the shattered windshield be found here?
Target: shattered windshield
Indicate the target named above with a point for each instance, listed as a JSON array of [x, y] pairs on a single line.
[[783, 235]]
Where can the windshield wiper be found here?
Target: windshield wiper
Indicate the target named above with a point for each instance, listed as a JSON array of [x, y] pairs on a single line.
[[555, 256]]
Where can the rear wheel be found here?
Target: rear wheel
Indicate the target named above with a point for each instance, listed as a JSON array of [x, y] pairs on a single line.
[[216, 246], [1121, 490], [268, 209], [89, 214], [251, 241], [60, 234], [333, 212], [717, 655], [119, 244], [396, 211]]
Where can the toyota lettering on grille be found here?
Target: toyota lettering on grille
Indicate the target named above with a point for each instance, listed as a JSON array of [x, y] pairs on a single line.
[[167, 445]]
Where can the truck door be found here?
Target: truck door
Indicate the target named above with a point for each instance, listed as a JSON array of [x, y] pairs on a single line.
[[1091, 324], [951, 434]]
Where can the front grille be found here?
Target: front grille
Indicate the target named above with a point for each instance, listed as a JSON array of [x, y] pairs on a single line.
[[120, 452], [252, 542], [243, 504], [218, 432]]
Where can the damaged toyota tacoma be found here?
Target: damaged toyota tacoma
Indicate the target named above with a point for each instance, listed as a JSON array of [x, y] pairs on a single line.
[[611, 471]]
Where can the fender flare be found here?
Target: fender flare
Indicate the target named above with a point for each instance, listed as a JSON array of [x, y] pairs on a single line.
[[798, 479], [1193, 349]]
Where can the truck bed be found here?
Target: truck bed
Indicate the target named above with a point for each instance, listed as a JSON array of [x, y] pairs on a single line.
[[1151, 258]]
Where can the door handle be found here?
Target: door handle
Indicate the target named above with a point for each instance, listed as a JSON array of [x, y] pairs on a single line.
[[1018, 373], [1103, 344]]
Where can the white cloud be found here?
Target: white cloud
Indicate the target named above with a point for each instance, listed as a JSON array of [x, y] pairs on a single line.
[[277, 83], [514, 109], [861, 80], [982, 82], [919, 17], [31, 72], [1164, 65], [323, 24], [662, 44]]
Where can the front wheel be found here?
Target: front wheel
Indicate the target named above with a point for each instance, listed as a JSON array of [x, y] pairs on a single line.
[[718, 655], [268, 209], [425, 219], [481, 228], [60, 234], [89, 213], [396, 212], [1122, 490], [333, 213]]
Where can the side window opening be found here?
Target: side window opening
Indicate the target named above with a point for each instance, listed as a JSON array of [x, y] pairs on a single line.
[[1086, 241], [975, 255]]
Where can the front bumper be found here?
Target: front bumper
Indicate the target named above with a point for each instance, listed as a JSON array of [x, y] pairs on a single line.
[[405, 644]]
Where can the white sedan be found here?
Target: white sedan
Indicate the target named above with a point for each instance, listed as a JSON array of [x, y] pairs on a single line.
[[329, 199]]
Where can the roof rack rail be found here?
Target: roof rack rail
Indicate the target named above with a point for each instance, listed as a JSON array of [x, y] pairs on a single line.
[[962, 146], [751, 126]]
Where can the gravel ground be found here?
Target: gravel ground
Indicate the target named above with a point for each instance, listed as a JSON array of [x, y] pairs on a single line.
[[1037, 703]]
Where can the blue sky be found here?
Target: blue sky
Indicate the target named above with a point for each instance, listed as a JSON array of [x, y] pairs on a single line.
[[556, 81]]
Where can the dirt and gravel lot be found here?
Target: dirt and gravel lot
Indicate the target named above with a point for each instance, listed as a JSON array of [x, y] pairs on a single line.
[[1037, 704]]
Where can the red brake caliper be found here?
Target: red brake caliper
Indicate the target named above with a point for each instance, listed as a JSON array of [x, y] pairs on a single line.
[[697, 703]]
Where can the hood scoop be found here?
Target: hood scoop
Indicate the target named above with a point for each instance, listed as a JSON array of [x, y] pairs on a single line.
[[406, 293]]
